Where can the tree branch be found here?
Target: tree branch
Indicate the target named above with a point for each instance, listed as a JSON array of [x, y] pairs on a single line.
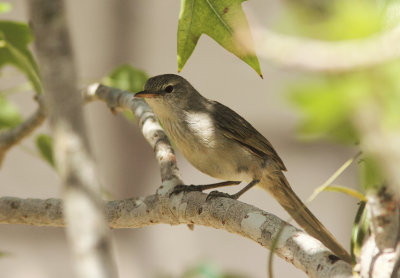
[[87, 229], [11, 137], [295, 246], [380, 254], [327, 56]]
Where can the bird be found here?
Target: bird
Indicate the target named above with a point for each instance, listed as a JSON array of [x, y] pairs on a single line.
[[220, 143]]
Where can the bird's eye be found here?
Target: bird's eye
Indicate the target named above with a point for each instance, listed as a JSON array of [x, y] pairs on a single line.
[[169, 89]]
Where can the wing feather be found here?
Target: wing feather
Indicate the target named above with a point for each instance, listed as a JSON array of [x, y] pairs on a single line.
[[236, 128]]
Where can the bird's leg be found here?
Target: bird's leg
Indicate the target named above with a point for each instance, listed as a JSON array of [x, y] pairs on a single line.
[[214, 194], [216, 185], [181, 188]]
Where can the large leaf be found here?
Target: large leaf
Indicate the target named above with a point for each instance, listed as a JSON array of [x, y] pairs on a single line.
[[14, 40], [9, 114], [222, 20]]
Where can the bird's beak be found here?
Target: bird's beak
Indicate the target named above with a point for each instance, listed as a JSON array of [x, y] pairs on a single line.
[[145, 94]]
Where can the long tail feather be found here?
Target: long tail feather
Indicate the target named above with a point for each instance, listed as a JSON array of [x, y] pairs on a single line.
[[279, 188]]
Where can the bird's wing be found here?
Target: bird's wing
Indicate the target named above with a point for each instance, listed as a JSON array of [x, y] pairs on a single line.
[[234, 127]]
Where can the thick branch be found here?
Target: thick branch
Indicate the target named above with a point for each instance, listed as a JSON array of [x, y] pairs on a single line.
[[13, 136], [87, 229], [295, 246], [327, 56]]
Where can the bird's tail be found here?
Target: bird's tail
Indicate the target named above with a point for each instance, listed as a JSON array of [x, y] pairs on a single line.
[[279, 188]]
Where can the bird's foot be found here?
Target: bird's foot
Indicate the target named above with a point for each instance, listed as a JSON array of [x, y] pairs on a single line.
[[219, 194], [185, 188]]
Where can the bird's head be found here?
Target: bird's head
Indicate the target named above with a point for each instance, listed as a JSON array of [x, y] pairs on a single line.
[[168, 92]]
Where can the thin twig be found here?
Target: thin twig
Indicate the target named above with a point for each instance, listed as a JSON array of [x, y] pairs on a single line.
[[13, 136]]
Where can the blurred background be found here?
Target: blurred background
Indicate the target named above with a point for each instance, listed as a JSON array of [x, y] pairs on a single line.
[[108, 33]]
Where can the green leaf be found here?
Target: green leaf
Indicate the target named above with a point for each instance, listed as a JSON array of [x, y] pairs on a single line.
[[126, 77], [44, 143], [14, 40], [332, 178], [346, 190], [5, 7], [222, 20], [9, 114], [359, 232]]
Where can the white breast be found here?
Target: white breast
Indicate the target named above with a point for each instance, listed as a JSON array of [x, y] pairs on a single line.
[[202, 127]]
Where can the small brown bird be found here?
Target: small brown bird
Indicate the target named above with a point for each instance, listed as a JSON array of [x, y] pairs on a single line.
[[220, 143]]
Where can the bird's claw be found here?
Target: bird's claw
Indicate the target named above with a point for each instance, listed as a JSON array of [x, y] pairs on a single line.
[[216, 194], [184, 188]]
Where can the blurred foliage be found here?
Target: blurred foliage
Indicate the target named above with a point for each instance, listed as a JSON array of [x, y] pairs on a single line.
[[9, 114], [391, 10], [326, 104], [4, 254], [332, 20], [22, 87], [330, 103], [128, 78], [205, 270], [5, 7], [370, 174], [14, 40], [224, 21], [44, 144]]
